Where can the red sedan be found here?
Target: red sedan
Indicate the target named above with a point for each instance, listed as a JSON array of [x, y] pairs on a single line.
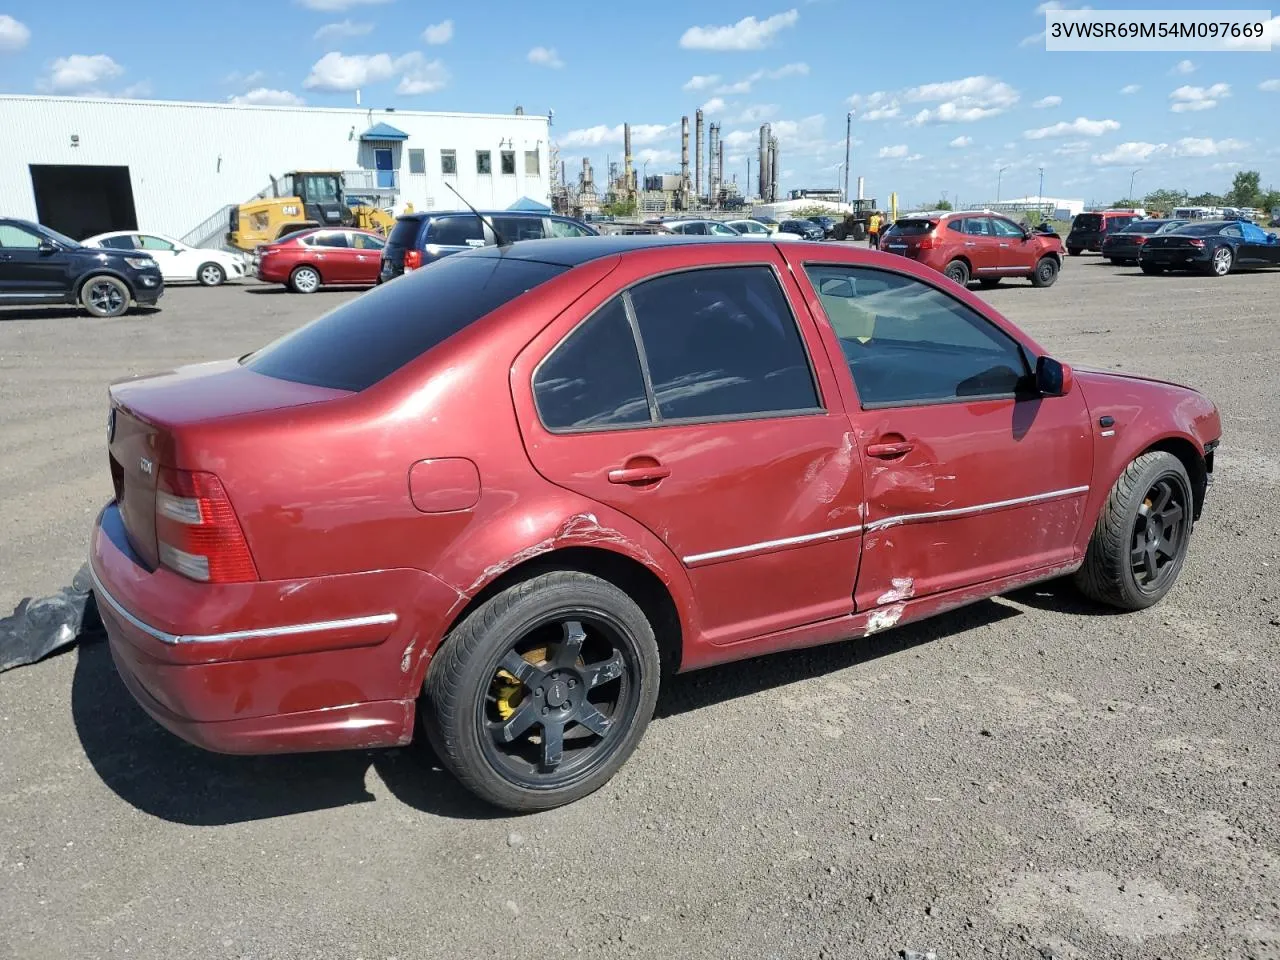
[[307, 260], [500, 496]]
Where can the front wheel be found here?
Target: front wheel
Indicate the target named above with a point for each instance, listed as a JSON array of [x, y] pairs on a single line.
[[957, 271], [304, 280], [1140, 541], [211, 275], [105, 296], [541, 694], [1046, 272], [1222, 261]]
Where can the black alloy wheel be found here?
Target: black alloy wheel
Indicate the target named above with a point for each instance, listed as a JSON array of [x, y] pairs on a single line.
[[1159, 534]]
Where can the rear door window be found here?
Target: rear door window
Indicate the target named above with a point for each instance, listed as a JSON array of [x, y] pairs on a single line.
[[118, 243], [565, 228], [459, 231], [366, 339], [330, 238], [405, 233], [519, 228]]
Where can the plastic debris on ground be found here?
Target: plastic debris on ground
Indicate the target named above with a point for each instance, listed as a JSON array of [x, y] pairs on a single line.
[[39, 627]]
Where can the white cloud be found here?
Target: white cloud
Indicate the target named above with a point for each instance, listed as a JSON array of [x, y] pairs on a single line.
[[1271, 32], [237, 79], [545, 57], [1130, 88], [1127, 153], [1072, 147], [702, 81], [641, 133], [756, 113], [961, 142], [1183, 67], [1080, 126], [341, 29], [778, 73], [1044, 8], [959, 101], [264, 96], [1225, 165], [1269, 86], [740, 138], [741, 86], [747, 34], [1190, 99], [651, 155], [335, 72], [714, 105], [14, 34], [438, 33], [1206, 147], [896, 152], [331, 6], [80, 74], [140, 89], [1050, 101]]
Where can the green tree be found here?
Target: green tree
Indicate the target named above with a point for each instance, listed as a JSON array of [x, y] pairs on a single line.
[[1246, 189], [1205, 200], [943, 205], [1270, 200], [619, 208], [1126, 203], [1165, 199]]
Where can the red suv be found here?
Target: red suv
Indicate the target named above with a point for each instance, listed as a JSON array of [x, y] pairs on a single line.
[[977, 246], [307, 260], [501, 495]]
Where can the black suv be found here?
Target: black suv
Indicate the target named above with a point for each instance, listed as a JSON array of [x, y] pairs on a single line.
[[41, 266], [426, 237]]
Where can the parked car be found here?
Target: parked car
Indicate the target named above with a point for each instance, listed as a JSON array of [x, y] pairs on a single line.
[[804, 228], [698, 227], [1124, 245], [827, 224], [418, 239], [312, 544], [178, 262], [1215, 247], [974, 245], [1088, 230], [309, 259], [754, 228], [41, 266], [770, 222]]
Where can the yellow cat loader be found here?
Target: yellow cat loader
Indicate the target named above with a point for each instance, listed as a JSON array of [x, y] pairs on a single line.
[[302, 199]]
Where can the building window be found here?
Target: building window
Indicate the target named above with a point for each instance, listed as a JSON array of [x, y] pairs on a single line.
[[449, 162], [532, 168], [484, 161], [417, 161], [508, 163]]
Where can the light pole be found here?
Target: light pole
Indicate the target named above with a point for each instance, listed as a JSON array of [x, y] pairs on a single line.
[[1131, 176], [848, 141], [1040, 198], [999, 177]]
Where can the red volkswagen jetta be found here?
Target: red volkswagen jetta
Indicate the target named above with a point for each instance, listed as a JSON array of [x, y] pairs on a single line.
[[500, 495]]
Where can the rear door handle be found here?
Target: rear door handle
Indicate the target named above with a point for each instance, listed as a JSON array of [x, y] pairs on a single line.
[[886, 451], [970, 243], [646, 474]]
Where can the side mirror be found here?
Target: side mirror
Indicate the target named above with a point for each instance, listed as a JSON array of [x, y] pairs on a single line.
[[47, 246], [1053, 379]]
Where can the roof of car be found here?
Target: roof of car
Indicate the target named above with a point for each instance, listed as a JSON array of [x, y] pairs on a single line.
[[573, 251], [423, 214]]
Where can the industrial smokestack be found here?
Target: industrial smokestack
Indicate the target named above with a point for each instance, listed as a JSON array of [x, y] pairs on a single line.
[[773, 169], [763, 186], [628, 175], [859, 188], [697, 152], [684, 155], [713, 175], [719, 163]]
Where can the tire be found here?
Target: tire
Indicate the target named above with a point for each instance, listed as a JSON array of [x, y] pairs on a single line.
[[211, 275], [105, 296], [1109, 572], [465, 692], [1046, 272], [989, 284], [1223, 260], [957, 271], [1074, 251], [1151, 269], [304, 279]]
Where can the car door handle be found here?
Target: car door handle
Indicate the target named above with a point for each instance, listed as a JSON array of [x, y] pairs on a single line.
[[646, 474], [1004, 244], [970, 243], [887, 451]]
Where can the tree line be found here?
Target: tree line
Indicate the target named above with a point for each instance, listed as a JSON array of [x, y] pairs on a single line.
[[1246, 191]]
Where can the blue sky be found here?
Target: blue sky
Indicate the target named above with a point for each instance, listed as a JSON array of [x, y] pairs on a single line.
[[944, 100]]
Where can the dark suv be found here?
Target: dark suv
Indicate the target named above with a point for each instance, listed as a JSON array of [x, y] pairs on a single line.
[[41, 266], [1088, 230], [421, 238]]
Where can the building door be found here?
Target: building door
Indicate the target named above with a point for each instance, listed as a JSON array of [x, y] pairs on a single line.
[[82, 201], [382, 163]]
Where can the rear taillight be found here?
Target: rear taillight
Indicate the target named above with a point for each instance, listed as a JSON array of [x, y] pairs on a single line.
[[1139, 240], [1195, 242], [412, 259], [928, 242], [197, 531]]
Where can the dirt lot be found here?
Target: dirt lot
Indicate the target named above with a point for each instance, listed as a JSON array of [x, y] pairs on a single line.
[[1030, 777]]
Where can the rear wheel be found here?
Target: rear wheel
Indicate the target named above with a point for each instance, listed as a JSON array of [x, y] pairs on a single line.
[[540, 695], [211, 275], [957, 271], [1074, 251], [1115, 261], [105, 296], [1046, 272], [304, 279], [1140, 540], [1222, 261]]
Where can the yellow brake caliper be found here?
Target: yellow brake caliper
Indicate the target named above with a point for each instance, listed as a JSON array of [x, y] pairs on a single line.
[[507, 690]]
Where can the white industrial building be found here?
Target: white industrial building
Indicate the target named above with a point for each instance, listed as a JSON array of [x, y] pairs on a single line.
[[85, 166], [1053, 207]]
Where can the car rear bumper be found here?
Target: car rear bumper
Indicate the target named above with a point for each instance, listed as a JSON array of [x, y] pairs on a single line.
[[1084, 241], [323, 663], [1176, 257]]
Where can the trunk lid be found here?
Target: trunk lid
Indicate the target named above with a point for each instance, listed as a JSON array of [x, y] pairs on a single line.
[[148, 416]]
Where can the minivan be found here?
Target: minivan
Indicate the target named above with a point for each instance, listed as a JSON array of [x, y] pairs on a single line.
[[421, 238]]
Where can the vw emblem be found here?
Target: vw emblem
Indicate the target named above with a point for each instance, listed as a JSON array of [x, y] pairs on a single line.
[[111, 424]]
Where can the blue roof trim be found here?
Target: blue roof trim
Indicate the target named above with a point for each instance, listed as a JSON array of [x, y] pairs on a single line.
[[383, 131], [526, 203]]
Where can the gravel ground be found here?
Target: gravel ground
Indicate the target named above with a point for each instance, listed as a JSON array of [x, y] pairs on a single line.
[[1028, 777]]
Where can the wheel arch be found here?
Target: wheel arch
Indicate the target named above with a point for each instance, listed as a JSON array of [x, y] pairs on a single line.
[[1197, 468], [101, 272], [306, 263]]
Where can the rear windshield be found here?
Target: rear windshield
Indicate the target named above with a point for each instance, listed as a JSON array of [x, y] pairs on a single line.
[[372, 336], [1202, 229], [457, 231], [1087, 221], [1142, 226], [913, 228], [405, 233]]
